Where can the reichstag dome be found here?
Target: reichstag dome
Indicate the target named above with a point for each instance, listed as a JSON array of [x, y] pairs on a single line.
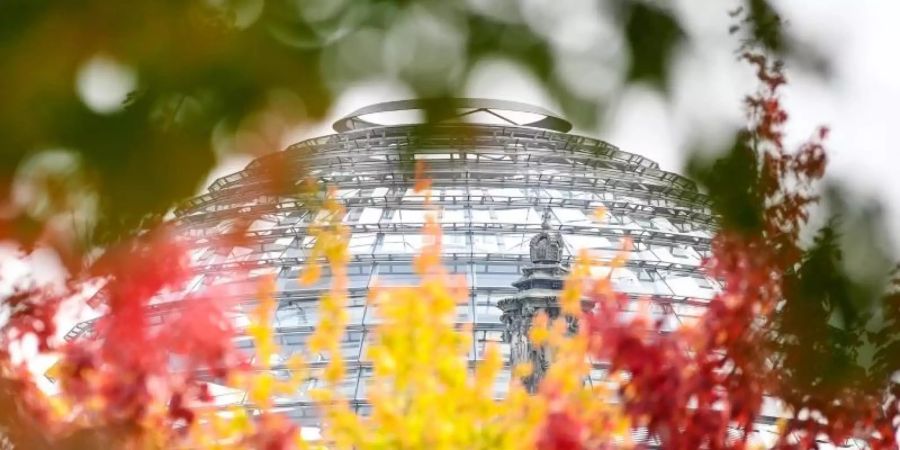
[[502, 172]]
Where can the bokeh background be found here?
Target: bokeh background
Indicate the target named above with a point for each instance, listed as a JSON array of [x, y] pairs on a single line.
[[841, 75], [114, 113], [111, 113]]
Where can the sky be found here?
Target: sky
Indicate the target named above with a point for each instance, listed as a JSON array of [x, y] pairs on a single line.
[[858, 99]]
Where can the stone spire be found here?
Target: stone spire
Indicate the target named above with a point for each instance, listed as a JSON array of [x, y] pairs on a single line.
[[539, 289], [546, 247]]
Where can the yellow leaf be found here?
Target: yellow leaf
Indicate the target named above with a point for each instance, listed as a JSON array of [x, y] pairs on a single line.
[[311, 274]]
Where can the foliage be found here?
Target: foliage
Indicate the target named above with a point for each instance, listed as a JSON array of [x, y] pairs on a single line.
[[791, 322]]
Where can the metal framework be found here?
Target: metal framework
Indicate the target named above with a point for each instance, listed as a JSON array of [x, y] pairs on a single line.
[[493, 182], [457, 109]]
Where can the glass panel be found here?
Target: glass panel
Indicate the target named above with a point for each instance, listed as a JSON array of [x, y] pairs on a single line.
[[571, 216], [700, 233], [350, 347], [238, 254], [483, 337], [395, 275], [505, 192], [358, 275], [496, 275], [293, 343], [355, 314], [688, 286], [504, 243], [455, 243], [550, 193], [630, 223], [260, 225], [629, 199], [663, 224], [685, 310], [578, 242], [284, 241], [290, 218], [628, 280], [400, 243], [453, 216], [297, 314], [481, 216], [362, 243], [486, 310], [346, 387], [409, 216], [224, 395], [413, 197], [347, 193], [459, 269], [642, 252], [370, 216], [365, 377], [678, 255], [518, 216]]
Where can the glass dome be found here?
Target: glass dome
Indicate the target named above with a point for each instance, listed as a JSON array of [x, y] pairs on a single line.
[[491, 182]]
